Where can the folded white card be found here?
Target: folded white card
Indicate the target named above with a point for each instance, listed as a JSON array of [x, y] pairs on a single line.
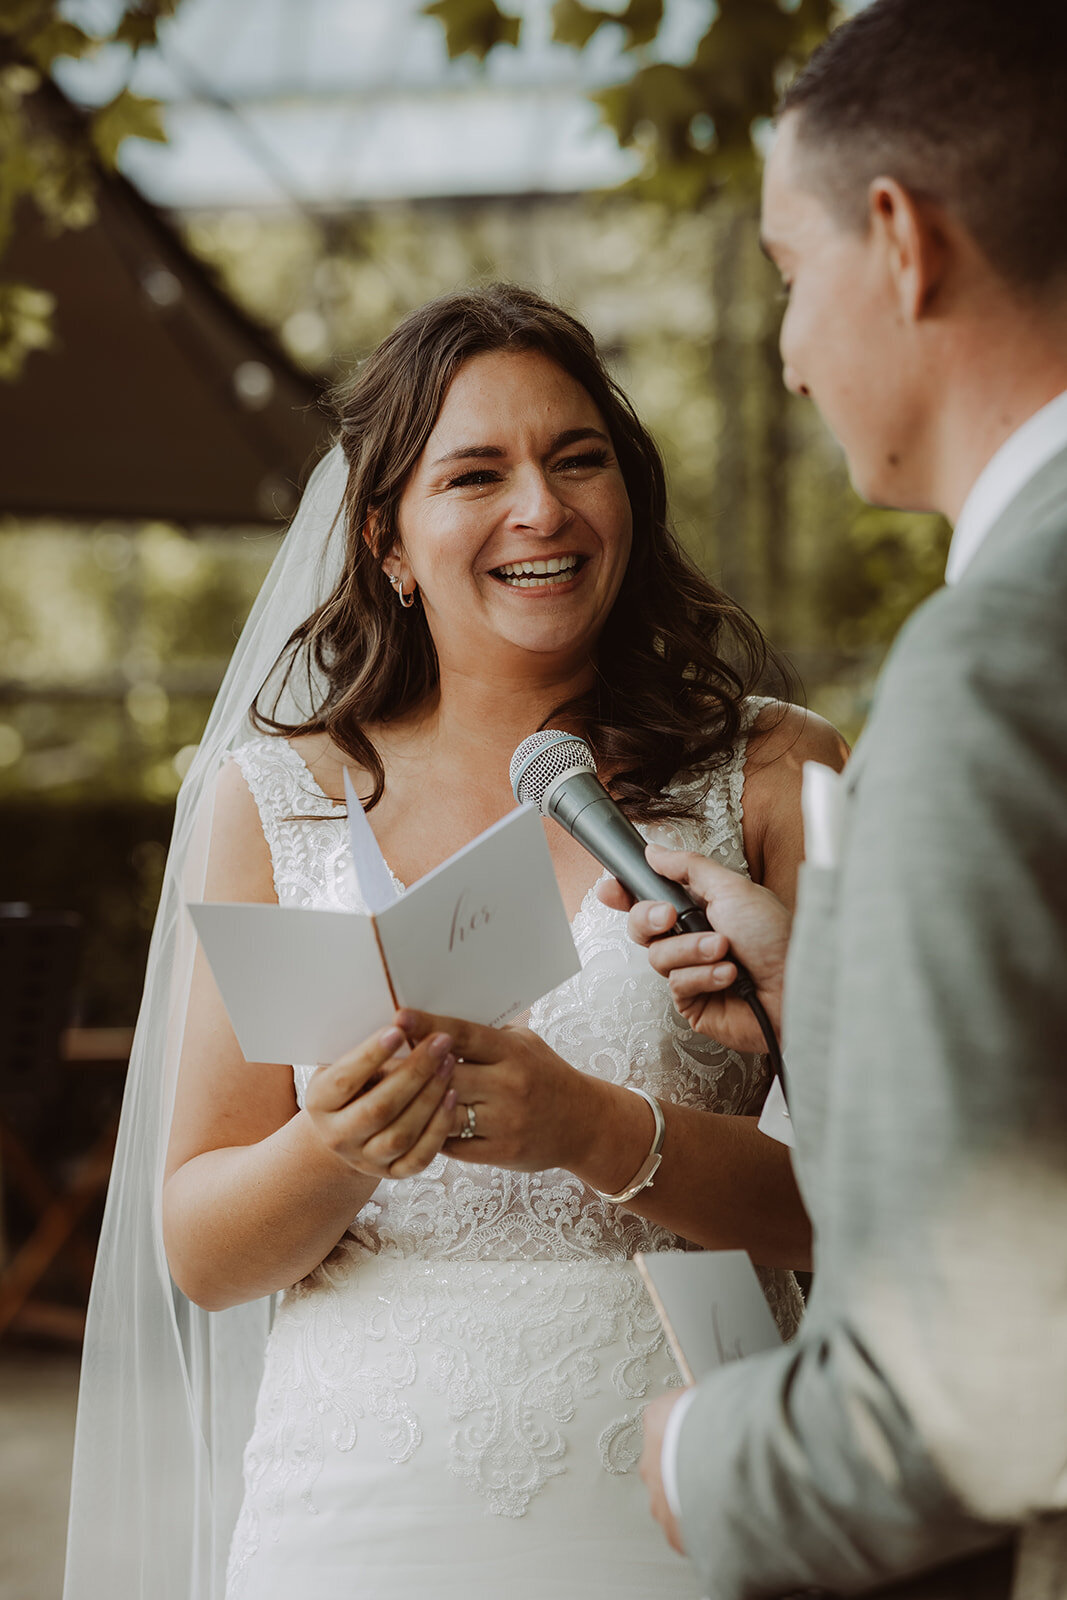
[[711, 1306], [774, 1119], [481, 937], [822, 804]]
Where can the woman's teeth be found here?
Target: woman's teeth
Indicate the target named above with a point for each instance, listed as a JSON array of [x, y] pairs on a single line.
[[537, 574]]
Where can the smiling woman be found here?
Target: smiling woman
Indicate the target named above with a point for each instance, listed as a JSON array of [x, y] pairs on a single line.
[[488, 422], [547, 489], [451, 1385]]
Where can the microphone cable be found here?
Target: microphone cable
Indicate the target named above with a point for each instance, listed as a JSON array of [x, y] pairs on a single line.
[[744, 985]]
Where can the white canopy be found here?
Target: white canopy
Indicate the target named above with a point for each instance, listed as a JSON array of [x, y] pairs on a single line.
[[337, 102]]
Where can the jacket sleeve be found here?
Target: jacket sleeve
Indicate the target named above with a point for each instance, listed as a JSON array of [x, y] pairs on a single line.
[[921, 1409]]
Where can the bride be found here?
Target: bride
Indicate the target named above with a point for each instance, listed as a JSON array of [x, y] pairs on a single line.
[[398, 1285]]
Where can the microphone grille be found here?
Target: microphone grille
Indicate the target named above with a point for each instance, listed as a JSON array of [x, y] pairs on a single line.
[[544, 757]]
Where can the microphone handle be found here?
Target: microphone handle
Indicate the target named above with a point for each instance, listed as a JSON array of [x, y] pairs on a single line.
[[583, 806]]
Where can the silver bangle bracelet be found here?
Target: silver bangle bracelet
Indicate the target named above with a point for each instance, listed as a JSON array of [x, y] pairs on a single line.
[[643, 1177]]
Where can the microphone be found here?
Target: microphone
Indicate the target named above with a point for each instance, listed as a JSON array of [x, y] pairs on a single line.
[[556, 772]]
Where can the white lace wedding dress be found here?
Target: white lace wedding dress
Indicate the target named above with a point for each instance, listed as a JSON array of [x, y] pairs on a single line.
[[451, 1402]]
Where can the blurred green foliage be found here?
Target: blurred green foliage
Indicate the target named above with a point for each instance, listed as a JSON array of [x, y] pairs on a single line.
[[115, 641], [50, 162], [693, 124]]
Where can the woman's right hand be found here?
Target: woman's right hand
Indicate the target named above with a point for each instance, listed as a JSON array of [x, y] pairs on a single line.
[[381, 1115]]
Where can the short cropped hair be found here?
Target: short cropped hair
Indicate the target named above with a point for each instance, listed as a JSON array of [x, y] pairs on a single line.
[[961, 101]]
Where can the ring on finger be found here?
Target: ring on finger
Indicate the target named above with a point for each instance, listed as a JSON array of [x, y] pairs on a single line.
[[471, 1128]]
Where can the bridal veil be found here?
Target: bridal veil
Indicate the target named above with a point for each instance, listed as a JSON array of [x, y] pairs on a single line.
[[168, 1390]]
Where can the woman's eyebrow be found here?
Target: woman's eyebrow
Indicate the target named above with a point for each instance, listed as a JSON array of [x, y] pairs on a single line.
[[493, 452], [471, 452], [573, 435]]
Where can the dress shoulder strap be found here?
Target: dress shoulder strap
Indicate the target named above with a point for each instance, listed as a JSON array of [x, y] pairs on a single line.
[[285, 793], [724, 806]]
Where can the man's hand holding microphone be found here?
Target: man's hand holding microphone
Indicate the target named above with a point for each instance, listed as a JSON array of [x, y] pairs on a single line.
[[750, 923]]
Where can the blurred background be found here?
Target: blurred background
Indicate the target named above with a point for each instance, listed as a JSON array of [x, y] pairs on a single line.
[[209, 211]]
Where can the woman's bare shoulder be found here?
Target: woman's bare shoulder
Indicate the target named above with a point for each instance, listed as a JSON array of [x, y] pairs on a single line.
[[791, 735], [783, 738]]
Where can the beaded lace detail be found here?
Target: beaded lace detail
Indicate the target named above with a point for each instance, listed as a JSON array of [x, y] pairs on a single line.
[[447, 1245], [513, 1347]]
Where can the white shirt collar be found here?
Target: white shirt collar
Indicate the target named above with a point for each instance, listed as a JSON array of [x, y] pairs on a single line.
[[1007, 472]]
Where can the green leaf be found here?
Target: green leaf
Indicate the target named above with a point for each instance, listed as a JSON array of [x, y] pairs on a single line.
[[128, 116], [658, 103], [616, 107], [57, 39], [575, 24], [474, 27], [642, 19], [137, 29]]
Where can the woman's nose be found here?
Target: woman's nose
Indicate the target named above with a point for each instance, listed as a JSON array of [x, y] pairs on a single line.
[[536, 505]]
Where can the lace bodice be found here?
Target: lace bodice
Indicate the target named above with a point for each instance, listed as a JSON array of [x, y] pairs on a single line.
[[614, 1019]]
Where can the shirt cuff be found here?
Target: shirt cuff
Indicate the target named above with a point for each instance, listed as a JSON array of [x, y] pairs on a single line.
[[668, 1459]]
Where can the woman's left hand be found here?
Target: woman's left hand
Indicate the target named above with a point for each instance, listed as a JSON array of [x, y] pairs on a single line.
[[531, 1109]]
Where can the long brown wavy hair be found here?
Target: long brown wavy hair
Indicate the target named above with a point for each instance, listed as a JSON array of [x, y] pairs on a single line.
[[676, 656]]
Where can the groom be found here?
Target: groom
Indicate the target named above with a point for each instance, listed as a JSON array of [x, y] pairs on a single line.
[[913, 1438]]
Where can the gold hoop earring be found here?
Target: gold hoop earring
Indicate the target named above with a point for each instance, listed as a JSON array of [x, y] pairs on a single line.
[[406, 600]]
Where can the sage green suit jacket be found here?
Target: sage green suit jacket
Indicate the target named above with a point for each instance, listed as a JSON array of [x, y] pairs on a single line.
[[920, 1416]]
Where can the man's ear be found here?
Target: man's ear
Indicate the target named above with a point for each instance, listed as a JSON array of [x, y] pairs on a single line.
[[913, 238]]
